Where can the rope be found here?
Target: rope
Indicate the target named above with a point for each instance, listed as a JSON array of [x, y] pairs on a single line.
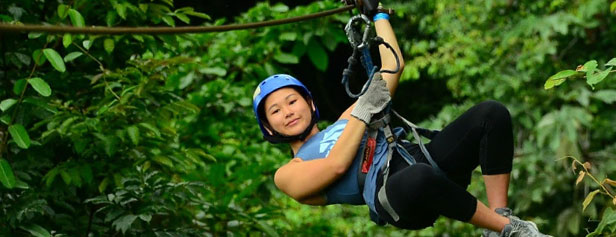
[[100, 30]]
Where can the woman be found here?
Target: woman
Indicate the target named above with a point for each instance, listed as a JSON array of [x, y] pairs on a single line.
[[324, 169]]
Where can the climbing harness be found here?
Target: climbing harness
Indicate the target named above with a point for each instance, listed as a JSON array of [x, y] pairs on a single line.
[[361, 43]]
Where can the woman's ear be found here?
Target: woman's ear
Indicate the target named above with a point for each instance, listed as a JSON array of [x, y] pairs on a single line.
[[269, 131]]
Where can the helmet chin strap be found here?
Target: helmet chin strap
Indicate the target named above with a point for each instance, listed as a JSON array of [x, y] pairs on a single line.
[[280, 138]]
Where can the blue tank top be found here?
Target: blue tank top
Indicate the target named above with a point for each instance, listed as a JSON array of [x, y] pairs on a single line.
[[346, 189]]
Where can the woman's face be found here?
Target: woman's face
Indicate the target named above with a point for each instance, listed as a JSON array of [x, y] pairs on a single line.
[[287, 111]]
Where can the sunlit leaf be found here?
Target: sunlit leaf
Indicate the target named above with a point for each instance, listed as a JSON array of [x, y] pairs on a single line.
[[87, 44], [40, 86], [612, 61], [67, 39], [218, 71], [34, 35], [589, 66], [594, 78], [199, 14], [6, 104], [72, 56], [55, 59], [62, 11], [183, 18], [109, 45], [169, 20], [280, 8], [286, 58], [558, 78], [288, 36]]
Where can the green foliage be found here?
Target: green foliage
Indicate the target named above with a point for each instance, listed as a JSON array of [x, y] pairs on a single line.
[[592, 74]]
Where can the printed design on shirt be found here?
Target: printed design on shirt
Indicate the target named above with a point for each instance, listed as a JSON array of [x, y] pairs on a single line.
[[330, 137]]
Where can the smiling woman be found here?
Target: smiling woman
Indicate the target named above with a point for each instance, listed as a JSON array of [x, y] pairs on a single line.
[[325, 166]]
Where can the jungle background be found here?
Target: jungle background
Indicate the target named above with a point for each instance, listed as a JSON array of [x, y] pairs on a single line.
[[141, 135]]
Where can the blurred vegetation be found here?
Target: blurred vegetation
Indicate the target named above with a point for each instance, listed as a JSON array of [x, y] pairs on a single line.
[[145, 135]]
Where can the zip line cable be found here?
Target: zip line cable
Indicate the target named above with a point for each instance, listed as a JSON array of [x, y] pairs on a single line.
[[99, 30]]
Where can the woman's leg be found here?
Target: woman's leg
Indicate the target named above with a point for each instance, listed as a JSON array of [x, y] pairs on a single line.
[[496, 189], [419, 195], [483, 136]]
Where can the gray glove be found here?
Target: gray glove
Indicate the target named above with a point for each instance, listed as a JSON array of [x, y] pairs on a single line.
[[373, 101]]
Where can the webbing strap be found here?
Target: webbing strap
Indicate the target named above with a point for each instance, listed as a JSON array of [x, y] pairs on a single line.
[[419, 142], [382, 195]]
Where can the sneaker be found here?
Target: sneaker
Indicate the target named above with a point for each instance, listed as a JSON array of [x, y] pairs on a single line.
[[520, 228], [506, 212]]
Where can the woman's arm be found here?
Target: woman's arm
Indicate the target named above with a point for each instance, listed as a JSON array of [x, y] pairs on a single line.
[[388, 61], [302, 180]]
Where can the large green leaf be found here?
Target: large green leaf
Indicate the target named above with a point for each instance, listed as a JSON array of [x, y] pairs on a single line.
[[594, 78], [55, 59], [36, 230], [317, 55], [40, 86], [6, 174], [20, 135], [76, 18]]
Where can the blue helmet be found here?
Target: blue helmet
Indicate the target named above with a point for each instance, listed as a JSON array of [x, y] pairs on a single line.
[[270, 85]]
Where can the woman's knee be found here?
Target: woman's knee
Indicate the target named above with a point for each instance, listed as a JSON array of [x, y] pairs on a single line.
[[494, 112]]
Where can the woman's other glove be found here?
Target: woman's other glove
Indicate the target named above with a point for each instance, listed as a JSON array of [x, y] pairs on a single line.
[[373, 101]]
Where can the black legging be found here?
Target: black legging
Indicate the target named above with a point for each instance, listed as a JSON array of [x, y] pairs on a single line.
[[481, 136]]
